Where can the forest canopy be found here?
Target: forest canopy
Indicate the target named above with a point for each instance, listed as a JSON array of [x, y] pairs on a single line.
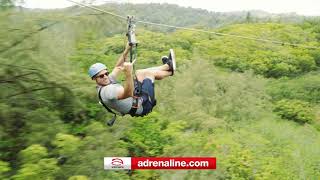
[[254, 105]]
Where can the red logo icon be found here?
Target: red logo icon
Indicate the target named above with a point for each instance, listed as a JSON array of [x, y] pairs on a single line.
[[117, 163]]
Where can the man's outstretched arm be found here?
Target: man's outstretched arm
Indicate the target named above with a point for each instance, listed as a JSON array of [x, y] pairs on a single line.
[[123, 56], [117, 69]]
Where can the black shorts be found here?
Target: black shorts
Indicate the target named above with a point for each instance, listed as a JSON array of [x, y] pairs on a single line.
[[148, 96]]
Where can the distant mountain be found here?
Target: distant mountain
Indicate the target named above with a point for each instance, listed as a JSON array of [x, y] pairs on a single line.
[[182, 16]]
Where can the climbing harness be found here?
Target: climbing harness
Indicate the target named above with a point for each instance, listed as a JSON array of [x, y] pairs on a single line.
[[113, 119]]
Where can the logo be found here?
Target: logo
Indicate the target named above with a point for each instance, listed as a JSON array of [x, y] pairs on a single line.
[[117, 163]]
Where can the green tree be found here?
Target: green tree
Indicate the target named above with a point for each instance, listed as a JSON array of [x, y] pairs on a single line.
[[248, 17], [43, 169], [4, 4], [79, 177], [238, 165], [4, 169], [40, 119], [295, 110], [33, 154], [304, 88], [145, 137], [36, 164], [66, 144]]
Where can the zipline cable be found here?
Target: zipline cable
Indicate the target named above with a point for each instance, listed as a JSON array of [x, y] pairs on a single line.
[[97, 9], [198, 30]]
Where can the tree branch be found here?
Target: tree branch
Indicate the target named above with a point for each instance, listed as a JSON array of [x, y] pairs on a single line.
[[26, 37]]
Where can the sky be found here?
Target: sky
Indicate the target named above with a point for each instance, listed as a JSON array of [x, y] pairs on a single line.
[[301, 7]]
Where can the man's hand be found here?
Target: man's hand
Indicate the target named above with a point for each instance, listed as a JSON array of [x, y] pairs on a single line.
[[120, 63], [127, 67]]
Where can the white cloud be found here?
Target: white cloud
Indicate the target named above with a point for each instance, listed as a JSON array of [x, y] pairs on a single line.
[[47, 4]]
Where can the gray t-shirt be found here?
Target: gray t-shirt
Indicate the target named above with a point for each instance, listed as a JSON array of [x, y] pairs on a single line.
[[109, 96]]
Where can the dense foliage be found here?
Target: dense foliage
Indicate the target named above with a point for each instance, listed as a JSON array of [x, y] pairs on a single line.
[[253, 105]]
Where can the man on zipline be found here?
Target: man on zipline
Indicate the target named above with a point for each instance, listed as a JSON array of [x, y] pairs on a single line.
[[136, 98]]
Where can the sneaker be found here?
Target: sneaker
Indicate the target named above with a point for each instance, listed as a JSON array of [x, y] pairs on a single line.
[[172, 61], [165, 59]]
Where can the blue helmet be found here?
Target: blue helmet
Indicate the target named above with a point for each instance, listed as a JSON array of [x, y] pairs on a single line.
[[95, 69]]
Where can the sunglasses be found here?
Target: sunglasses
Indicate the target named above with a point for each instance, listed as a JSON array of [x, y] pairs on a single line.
[[104, 74]]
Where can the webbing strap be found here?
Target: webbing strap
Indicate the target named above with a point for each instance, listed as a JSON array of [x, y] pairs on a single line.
[[135, 106], [110, 122]]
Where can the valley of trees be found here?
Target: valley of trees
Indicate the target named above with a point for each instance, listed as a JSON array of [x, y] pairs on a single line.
[[253, 105]]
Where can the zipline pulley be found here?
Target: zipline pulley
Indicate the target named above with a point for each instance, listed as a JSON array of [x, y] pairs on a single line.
[[132, 38], [131, 31]]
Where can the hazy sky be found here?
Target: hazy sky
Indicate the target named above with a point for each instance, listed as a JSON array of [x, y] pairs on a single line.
[[303, 7]]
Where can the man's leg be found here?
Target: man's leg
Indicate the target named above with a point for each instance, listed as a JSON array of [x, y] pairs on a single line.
[[164, 67], [160, 72], [155, 73]]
